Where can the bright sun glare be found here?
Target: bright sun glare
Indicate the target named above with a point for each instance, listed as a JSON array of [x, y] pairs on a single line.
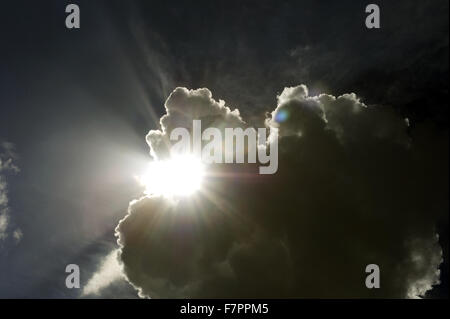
[[179, 176]]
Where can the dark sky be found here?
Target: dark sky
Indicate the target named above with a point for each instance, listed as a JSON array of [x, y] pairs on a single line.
[[77, 104]]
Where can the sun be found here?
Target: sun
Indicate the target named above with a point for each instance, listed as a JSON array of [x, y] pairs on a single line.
[[177, 176]]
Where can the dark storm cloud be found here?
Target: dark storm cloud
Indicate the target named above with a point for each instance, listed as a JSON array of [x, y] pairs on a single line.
[[352, 189]]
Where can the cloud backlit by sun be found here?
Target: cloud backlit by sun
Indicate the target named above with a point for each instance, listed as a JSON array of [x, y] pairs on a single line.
[[352, 189]]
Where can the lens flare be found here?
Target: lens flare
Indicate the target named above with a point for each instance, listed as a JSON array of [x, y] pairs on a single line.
[[281, 116]]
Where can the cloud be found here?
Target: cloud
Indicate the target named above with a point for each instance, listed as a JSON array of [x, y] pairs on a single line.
[[7, 165], [182, 107], [109, 271], [17, 235], [353, 188]]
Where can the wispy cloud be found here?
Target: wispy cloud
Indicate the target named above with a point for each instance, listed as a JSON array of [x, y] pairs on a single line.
[[109, 271], [7, 165]]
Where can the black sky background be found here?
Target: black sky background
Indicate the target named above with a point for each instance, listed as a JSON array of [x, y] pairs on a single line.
[[78, 103]]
